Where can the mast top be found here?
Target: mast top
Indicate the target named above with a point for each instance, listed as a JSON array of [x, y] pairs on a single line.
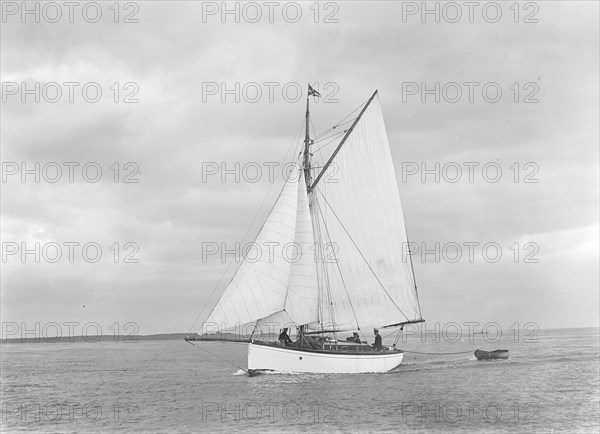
[[307, 140]]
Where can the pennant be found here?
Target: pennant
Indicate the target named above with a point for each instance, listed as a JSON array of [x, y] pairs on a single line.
[[312, 92]]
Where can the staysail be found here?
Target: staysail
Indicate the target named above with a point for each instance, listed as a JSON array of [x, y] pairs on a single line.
[[279, 288]]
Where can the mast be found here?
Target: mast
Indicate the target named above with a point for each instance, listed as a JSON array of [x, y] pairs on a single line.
[[307, 159], [308, 180]]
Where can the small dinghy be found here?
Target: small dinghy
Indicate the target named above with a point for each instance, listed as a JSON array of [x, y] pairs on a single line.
[[491, 355]]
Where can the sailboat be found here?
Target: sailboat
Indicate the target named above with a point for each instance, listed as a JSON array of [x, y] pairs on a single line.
[[330, 260]]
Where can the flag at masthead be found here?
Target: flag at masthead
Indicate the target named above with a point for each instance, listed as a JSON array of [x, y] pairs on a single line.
[[307, 140]]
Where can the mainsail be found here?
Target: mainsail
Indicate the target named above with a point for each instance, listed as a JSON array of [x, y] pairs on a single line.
[[352, 219], [371, 283]]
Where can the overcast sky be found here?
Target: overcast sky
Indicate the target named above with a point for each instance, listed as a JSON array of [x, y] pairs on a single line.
[[170, 55]]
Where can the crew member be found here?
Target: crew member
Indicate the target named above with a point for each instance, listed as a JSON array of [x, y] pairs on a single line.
[[284, 338], [377, 345]]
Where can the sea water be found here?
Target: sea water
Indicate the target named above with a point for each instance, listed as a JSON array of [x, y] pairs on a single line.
[[549, 384]]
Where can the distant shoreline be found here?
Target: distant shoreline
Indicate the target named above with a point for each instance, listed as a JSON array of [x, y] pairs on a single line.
[[93, 339], [158, 337]]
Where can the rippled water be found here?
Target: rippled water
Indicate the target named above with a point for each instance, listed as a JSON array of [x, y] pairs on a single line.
[[171, 386]]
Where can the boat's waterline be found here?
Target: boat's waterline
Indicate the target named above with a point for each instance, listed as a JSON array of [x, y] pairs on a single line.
[[272, 358]]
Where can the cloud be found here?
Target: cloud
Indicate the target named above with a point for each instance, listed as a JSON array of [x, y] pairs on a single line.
[[175, 130]]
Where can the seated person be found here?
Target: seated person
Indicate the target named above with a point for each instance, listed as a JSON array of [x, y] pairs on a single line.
[[284, 338], [313, 343], [354, 338], [305, 341]]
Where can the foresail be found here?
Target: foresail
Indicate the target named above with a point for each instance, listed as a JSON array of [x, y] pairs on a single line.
[[259, 287], [302, 296], [370, 279]]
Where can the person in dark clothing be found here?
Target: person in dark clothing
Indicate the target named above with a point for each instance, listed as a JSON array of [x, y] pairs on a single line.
[[356, 338], [284, 338], [377, 345]]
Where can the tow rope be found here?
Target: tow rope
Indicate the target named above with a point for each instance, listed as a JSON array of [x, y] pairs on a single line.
[[441, 354]]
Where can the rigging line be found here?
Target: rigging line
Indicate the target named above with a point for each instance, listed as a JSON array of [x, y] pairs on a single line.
[[441, 354], [320, 155], [319, 138], [250, 227], [320, 283], [353, 111], [392, 332], [325, 271], [332, 140], [331, 132], [333, 129], [397, 338], [413, 272], [336, 135], [327, 140], [359, 251], [338, 266], [343, 141], [327, 285], [330, 305], [220, 358], [324, 134], [313, 141], [260, 333], [312, 125], [343, 119]]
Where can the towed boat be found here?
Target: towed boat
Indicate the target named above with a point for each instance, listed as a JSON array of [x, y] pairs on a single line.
[[491, 355], [330, 258]]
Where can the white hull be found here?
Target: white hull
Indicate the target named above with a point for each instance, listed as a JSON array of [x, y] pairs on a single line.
[[272, 358]]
